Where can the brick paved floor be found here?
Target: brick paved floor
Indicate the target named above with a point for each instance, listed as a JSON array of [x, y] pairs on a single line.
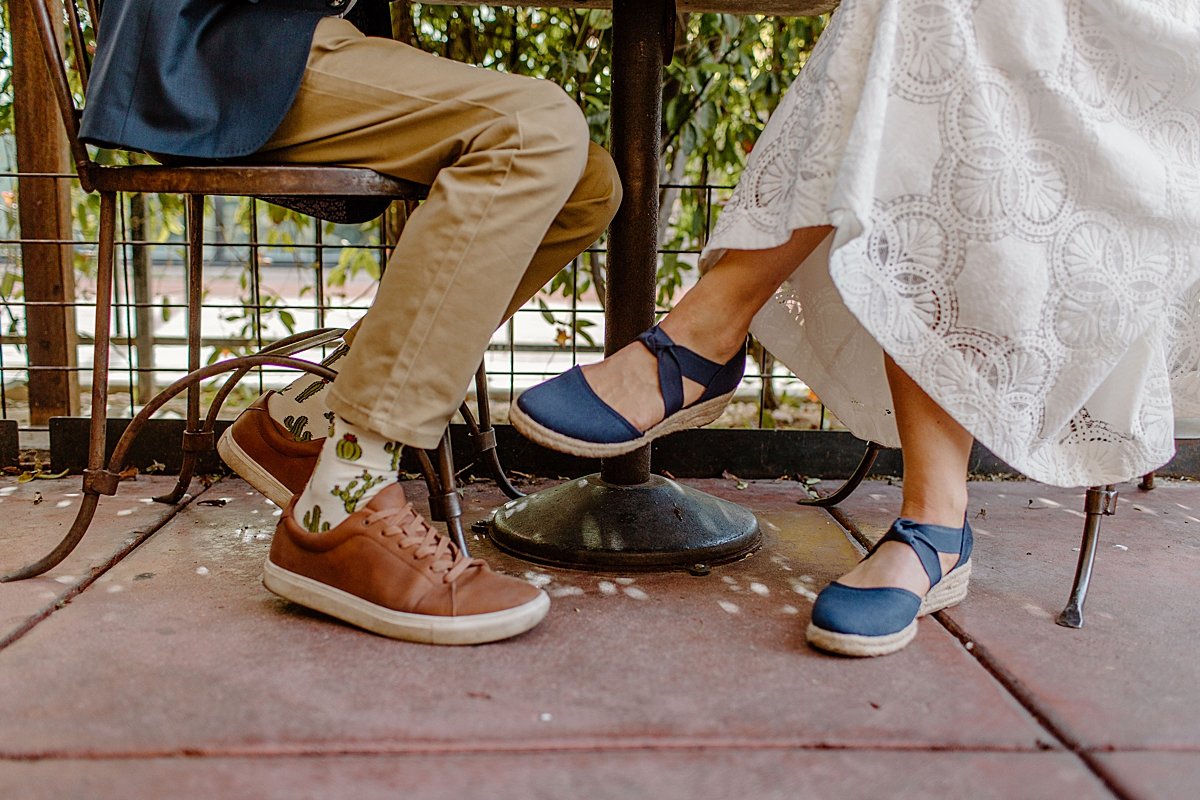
[[166, 670]]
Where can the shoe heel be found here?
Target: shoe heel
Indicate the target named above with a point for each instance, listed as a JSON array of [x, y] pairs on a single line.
[[697, 416], [249, 470], [950, 591]]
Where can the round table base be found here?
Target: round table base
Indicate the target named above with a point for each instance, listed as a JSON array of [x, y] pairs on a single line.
[[589, 524]]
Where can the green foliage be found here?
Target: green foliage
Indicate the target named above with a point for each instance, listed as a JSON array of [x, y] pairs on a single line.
[[6, 96]]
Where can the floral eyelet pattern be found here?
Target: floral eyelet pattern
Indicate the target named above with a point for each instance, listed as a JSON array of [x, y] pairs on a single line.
[[1016, 188]]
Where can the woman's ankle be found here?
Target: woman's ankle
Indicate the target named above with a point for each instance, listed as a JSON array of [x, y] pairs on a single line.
[[948, 511], [717, 343]]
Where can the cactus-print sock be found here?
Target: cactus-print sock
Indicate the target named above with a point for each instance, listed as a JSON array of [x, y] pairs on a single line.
[[300, 406], [355, 465]]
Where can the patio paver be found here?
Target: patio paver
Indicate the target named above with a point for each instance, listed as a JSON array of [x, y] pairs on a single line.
[[37, 514], [1164, 775], [1129, 677], [176, 668], [647, 657], [847, 775]]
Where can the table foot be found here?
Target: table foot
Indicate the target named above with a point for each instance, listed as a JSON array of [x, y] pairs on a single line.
[[589, 523]]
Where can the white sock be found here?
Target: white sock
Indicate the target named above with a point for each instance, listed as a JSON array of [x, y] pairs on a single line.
[[300, 406], [355, 465]]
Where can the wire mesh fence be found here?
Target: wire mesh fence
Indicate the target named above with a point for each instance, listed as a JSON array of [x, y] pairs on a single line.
[[269, 272]]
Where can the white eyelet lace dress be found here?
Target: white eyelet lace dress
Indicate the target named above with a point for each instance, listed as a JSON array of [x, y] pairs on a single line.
[[1015, 187]]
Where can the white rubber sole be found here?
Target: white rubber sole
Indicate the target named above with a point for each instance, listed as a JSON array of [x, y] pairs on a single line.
[[949, 592], [696, 416], [249, 470], [425, 628]]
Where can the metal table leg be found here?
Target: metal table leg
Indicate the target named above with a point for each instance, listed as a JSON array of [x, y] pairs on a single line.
[[624, 517]]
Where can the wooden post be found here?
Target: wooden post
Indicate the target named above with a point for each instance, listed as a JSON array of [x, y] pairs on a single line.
[[44, 214]]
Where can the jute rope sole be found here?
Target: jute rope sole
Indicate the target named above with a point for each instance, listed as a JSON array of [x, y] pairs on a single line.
[[950, 591], [696, 416], [427, 628]]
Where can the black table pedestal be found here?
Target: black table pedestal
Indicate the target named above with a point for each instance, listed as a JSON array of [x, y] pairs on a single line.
[[626, 518], [590, 523]]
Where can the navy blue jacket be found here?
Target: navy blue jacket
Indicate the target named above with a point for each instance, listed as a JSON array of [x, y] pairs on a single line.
[[200, 78]]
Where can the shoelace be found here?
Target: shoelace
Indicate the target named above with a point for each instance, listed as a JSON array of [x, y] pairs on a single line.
[[414, 531]]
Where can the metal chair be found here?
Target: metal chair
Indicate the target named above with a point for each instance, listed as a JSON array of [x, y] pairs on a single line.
[[304, 186]]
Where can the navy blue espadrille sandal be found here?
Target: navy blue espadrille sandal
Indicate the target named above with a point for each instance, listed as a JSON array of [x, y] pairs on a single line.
[[852, 621], [564, 413]]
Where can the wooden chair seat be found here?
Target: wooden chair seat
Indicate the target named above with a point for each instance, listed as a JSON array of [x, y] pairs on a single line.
[[254, 180]]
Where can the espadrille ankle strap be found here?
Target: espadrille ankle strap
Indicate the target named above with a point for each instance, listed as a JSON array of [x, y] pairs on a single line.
[[676, 362], [927, 541]]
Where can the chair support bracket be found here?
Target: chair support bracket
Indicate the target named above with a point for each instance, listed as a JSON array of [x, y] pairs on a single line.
[[199, 441], [100, 481], [485, 440], [1101, 501]]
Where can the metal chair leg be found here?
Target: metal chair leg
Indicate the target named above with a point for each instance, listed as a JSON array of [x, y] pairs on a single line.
[[1099, 502], [450, 500], [195, 440], [97, 439], [432, 483], [484, 435], [445, 503], [852, 483], [1147, 482]]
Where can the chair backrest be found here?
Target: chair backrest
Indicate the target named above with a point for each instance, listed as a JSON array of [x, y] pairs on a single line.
[[64, 56]]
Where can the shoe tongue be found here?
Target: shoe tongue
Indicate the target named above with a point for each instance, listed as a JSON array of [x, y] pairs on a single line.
[[391, 497]]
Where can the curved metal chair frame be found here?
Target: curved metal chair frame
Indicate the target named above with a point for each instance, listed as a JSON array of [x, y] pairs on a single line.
[[195, 183], [846, 489]]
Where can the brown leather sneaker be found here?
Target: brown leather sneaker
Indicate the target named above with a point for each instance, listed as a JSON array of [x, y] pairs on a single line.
[[264, 454], [387, 570]]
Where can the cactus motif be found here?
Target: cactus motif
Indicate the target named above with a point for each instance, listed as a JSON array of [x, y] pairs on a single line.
[[350, 495], [296, 426], [348, 449], [337, 355], [312, 521], [328, 415], [394, 449], [312, 390]]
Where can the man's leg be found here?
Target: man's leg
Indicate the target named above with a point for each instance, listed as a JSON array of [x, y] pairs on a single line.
[[274, 444], [503, 155]]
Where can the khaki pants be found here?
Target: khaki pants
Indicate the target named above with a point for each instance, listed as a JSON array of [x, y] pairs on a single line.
[[517, 191]]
